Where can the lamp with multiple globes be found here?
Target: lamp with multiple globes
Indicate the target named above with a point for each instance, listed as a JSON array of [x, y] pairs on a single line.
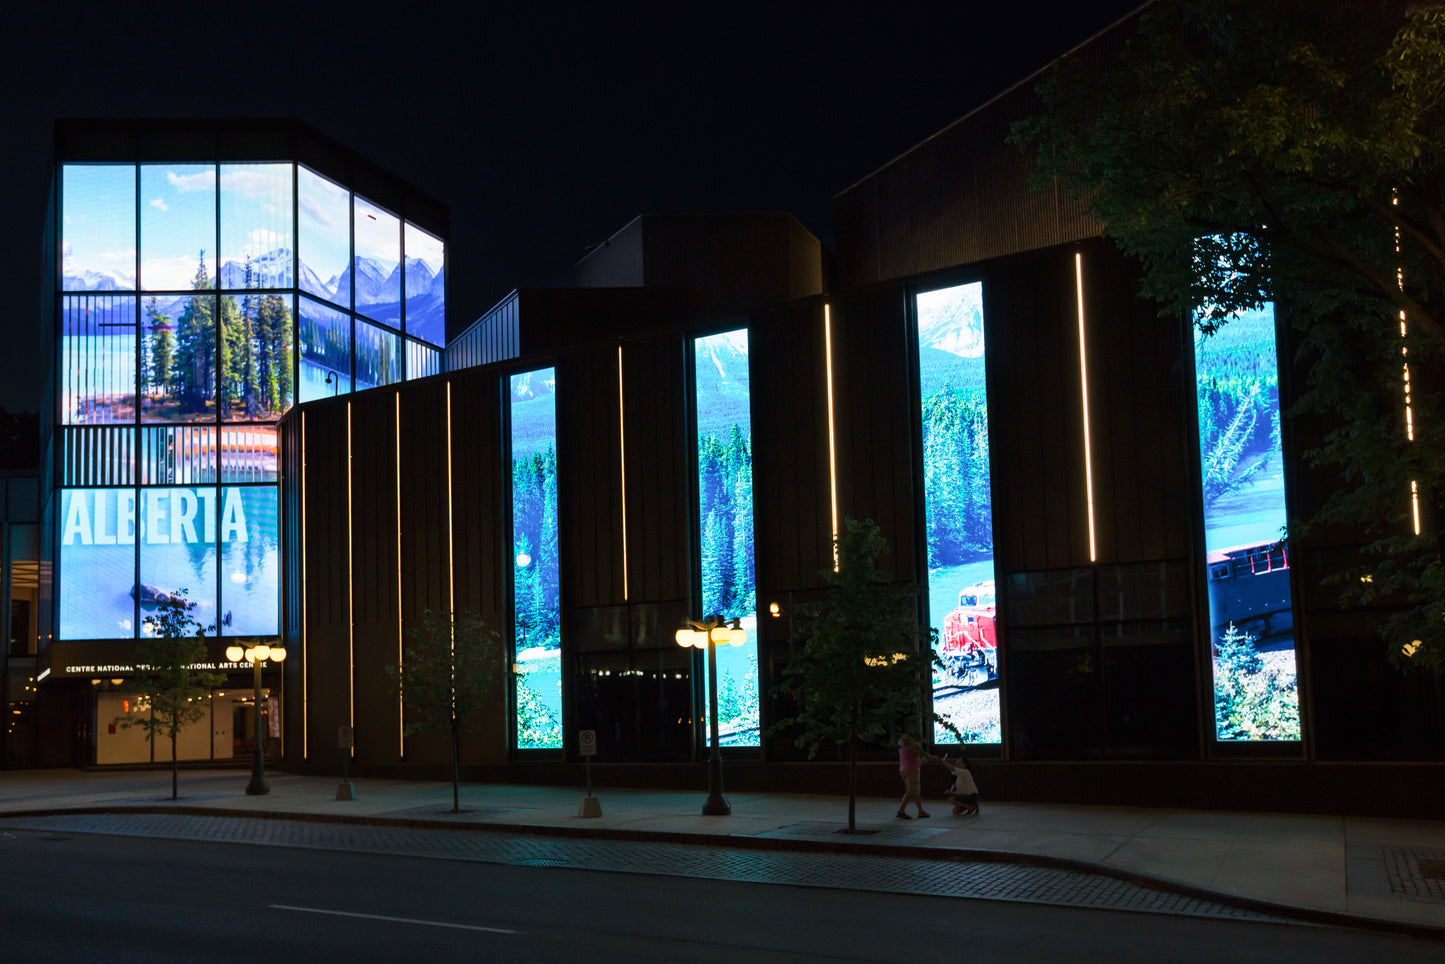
[[256, 655], [710, 634]]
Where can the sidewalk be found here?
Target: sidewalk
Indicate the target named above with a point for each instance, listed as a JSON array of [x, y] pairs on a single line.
[[1365, 868]]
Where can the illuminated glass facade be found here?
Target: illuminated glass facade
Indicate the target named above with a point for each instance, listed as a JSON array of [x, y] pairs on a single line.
[[197, 302], [958, 514], [725, 524], [536, 582]]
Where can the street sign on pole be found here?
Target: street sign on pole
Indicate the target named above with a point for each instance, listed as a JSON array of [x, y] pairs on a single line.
[[345, 737], [587, 749], [587, 743]]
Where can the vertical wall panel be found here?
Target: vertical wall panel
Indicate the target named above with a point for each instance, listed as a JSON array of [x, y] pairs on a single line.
[[480, 493], [327, 638], [589, 487], [424, 574]]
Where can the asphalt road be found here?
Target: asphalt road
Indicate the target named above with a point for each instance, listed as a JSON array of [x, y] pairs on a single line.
[[80, 897]]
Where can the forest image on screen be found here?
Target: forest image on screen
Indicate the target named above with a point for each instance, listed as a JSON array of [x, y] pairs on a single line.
[[1250, 614], [725, 521], [536, 580], [962, 602]]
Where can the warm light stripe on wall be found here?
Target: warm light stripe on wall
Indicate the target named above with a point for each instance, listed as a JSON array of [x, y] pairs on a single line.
[[1405, 365], [451, 531], [1084, 393], [832, 448], [350, 594], [305, 642], [400, 705], [622, 460]]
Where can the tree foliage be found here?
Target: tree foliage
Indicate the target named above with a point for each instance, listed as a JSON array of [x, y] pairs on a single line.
[[1293, 152], [449, 668], [865, 662], [166, 677]]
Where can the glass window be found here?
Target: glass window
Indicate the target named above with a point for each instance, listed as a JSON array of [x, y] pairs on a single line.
[[178, 363], [377, 263], [255, 376], [536, 587], [97, 358], [325, 352], [422, 360], [177, 224], [958, 509], [250, 561], [1251, 616], [97, 227], [378, 356], [256, 245], [425, 286], [248, 453], [97, 563], [178, 551], [180, 455], [323, 237], [725, 520]]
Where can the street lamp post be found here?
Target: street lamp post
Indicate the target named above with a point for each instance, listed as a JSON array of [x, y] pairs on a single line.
[[256, 655], [710, 634]]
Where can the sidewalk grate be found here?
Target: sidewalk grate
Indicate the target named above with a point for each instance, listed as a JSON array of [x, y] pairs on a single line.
[[849, 871]]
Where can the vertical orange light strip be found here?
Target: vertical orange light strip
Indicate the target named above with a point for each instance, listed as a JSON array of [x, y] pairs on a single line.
[[305, 642], [1405, 364], [832, 448], [622, 460], [400, 706], [350, 590], [1084, 392], [451, 531]]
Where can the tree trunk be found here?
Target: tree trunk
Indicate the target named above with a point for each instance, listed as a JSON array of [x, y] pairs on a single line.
[[456, 775], [852, 783], [175, 770]]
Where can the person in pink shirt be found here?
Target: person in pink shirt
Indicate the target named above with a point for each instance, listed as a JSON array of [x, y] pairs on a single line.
[[910, 762]]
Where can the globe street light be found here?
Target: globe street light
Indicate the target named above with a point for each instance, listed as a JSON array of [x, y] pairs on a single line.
[[710, 634], [256, 655]]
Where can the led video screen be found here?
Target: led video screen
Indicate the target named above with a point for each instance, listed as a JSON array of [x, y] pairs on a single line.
[[725, 521], [256, 237], [958, 508], [536, 583], [97, 359], [376, 275], [323, 237], [177, 224], [97, 227], [425, 286], [1251, 617]]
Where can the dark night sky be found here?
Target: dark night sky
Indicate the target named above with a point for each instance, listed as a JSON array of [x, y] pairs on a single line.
[[545, 127]]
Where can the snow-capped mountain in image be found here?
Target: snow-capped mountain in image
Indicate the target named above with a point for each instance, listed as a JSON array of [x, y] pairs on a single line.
[[270, 270], [97, 281]]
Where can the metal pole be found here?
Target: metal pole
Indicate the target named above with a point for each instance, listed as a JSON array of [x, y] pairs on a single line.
[[717, 805], [257, 786]]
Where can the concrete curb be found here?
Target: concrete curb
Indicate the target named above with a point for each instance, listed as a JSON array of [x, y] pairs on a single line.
[[1292, 912]]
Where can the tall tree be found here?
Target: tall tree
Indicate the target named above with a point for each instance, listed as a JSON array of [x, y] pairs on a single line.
[[865, 661], [194, 364], [167, 679], [1294, 151], [445, 678]]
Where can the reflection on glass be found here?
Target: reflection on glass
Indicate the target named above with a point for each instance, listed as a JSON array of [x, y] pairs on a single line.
[[178, 224], [255, 356], [250, 562], [1256, 696], [97, 564], [377, 263], [325, 352], [536, 587], [323, 237], [378, 356], [725, 519], [178, 355], [97, 358], [958, 507], [178, 551], [425, 286], [255, 226], [97, 227]]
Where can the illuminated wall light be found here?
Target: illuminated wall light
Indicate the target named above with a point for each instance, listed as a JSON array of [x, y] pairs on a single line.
[[1415, 504], [350, 595], [832, 449], [400, 706], [451, 532], [305, 641], [1084, 391], [622, 460]]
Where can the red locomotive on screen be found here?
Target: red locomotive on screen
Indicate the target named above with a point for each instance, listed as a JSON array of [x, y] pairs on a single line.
[[970, 636]]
